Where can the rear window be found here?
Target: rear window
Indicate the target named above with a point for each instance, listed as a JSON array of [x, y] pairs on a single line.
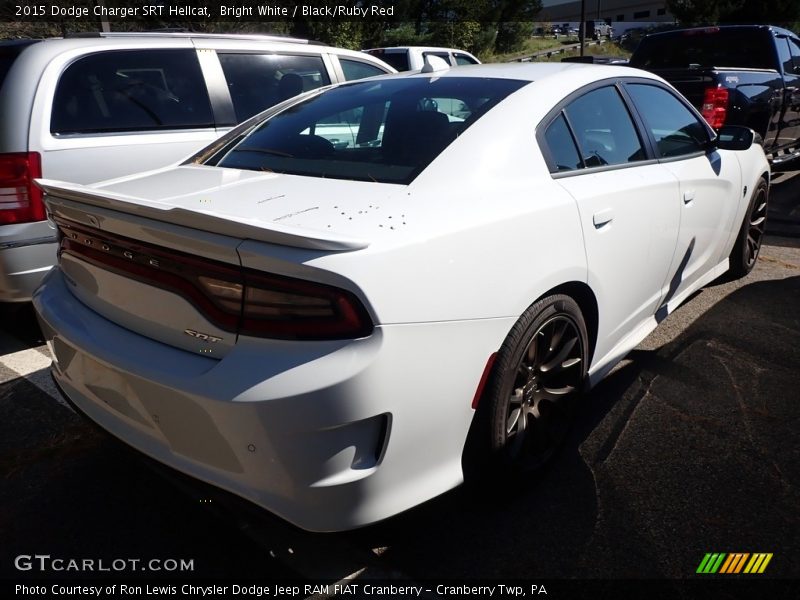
[[384, 131], [132, 90], [712, 47], [398, 60]]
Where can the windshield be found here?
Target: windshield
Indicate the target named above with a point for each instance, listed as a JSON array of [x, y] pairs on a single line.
[[381, 130]]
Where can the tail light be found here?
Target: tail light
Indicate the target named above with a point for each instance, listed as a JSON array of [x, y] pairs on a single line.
[[293, 308], [715, 106], [242, 301], [20, 199]]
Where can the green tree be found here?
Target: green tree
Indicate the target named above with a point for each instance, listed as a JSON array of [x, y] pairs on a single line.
[[515, 23], [773, 12]]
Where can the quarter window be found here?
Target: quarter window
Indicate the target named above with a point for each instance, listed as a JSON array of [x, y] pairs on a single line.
[[563, 153], [676, 130], [463, 59], [131, 91], [604, 130], [258, 81], [355, 69]]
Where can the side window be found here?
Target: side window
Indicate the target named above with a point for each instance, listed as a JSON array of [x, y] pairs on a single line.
[[131, 90], [355, 69], [604, 129], [677, 131], [784, 54], [794, 48], [258, 81], [462, 59], [563, 153]]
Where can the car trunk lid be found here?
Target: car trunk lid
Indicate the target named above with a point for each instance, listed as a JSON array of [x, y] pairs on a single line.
[[165, 262]]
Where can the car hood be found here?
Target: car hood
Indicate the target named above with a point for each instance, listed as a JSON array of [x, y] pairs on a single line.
[[305, 212]]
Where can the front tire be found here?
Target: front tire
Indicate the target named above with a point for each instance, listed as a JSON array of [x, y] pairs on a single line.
[[532, 394], [745, 251]]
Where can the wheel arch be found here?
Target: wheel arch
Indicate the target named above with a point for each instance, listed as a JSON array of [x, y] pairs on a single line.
[[476, 441], [587, 302]]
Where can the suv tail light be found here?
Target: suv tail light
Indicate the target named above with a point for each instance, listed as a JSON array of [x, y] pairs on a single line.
[[715, 106], [20, 199]]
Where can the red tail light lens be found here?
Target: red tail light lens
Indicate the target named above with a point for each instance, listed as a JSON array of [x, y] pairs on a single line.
[[293, 308], [234, 299], [20, 199], [715, 106]]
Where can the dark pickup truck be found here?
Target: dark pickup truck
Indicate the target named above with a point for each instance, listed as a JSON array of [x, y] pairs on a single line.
[[735, 75]]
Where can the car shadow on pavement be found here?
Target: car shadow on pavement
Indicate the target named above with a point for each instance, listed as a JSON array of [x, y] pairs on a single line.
[[690, 448], [687, 449]]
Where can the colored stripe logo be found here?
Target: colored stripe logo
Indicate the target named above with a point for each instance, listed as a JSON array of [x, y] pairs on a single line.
[[733, 563]]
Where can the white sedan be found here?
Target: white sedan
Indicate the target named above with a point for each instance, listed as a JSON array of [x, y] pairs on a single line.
[[339, 328]]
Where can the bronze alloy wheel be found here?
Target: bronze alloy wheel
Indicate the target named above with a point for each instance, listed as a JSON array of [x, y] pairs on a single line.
[[532, 394], [745, 251]]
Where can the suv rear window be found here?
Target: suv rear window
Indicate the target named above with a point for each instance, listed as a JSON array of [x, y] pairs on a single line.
[[381, 130], [398, 60], [132, 90], [711, 47]]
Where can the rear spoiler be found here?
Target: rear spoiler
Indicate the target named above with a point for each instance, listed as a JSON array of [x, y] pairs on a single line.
[[273, 233]]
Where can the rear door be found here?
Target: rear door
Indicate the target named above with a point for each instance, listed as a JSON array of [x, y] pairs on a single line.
[[628, 205], [709, 183], [789, 51]]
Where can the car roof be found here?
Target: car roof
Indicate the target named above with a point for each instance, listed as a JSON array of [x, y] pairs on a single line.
[[49, 47], [418, 48], [189, 34], [537, 72], [779, 30], [40, 52]]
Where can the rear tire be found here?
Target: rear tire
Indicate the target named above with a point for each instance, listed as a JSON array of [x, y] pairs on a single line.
[[745, 251], [532, 393]]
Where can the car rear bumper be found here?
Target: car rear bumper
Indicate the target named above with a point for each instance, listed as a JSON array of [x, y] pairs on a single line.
[[328, 435], [27, 253]]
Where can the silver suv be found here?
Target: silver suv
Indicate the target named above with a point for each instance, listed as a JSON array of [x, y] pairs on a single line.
[[99, 106]]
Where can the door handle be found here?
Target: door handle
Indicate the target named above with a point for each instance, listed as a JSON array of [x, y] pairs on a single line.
[[603, 218], [688, 196]]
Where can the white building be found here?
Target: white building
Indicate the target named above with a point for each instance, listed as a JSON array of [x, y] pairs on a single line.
[[621, 11]]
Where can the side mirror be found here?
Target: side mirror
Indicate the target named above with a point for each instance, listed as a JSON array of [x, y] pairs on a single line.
[[734, 137]]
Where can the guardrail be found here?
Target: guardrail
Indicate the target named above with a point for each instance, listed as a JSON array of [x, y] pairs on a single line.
[[550, 52]]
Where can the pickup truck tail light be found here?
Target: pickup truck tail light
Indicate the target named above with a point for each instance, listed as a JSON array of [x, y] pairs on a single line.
[[715, 106], [20, 199]]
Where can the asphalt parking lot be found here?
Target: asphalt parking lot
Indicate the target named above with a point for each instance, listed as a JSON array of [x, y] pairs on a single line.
[[691, 446]]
